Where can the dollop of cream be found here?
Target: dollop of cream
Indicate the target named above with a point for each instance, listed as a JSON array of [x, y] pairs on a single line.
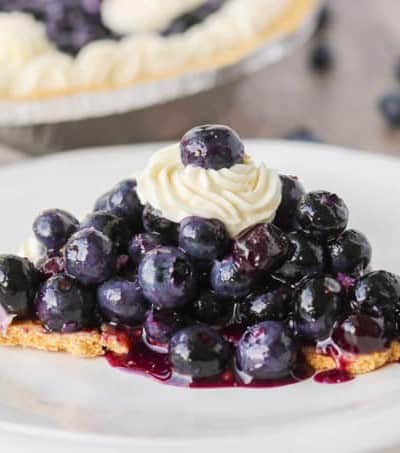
[[128, 16], [240, 197]]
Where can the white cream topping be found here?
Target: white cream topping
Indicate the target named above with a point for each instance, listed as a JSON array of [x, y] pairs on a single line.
[[30, 64], [128, 16], [240, 197]]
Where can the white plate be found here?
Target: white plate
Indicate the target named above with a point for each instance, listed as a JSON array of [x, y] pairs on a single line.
[[54, 400]]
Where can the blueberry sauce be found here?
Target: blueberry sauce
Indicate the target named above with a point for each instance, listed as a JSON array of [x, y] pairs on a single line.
[[145, 361]]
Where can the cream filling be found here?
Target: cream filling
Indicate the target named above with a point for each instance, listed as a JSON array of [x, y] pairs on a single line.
[[240, 197]]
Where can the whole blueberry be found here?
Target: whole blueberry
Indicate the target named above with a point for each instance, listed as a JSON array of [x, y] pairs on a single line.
[[154, 223], [361, 334], [210, 309], [269, 305], [116, 228], [306, 258], [63, 305], [212, 147], [161, 325], [203, 239], [90, 257], [266, 351], [302, 134], [350, 253], [292, 193], [199, 352], [18, 284], [389, 106], [322, 214], [140, 244], [167, 277], [121, 301], [261, 248], [377, 294], [53, 228], [229, 280], [317, 306], [123, 201]]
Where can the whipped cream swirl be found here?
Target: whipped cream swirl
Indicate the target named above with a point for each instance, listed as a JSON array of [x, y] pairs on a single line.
[[240, 196]]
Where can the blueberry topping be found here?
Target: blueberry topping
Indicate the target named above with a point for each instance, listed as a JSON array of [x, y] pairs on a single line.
[[361, 334], [212, 147], [51, 265], [116, 228], [229, 280], [302, 134], [389, 106], [266, 351], [377, 294], [90, 257], [122, 301], [306, 258], [317, 306], [141, 244], [155, 224], [322, 58], [199, 352], [18, 284], [263, 247], [322, 214], [209, 309], [167, 277], [204, 239], [53, 228], [161, 325], [292, 193], [63, 305], [350, 253], [271, 305]]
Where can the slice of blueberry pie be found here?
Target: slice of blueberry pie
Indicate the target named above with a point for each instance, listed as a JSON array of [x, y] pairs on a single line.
[[207, 270], [58, 47]]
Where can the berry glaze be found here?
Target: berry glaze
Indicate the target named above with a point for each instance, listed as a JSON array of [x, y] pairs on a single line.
[[143, 360]]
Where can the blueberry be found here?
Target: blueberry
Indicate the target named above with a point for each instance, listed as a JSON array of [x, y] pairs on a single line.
[[199, 352], [212, 147], [18, 285], [115, 228], [322, 214], [122, 301], [63, 305], [377, 294], [53, 228], [322, 58], [123, 201], [306, 258], [292, 193], [203, 239], [141, 244], [361, 334], [230, 281], [261, 248], [389, 106], [302, 134], [167, 277], [269, 305], [350, 253], [90, 257], [161, 325], [266, 351], [317, 306], [210, 309], [154, 223]]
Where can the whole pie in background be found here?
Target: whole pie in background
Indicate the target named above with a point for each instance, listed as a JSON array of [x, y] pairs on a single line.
[[58, 47]]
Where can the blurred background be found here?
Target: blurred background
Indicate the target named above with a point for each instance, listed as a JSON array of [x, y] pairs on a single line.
[[339, 87]]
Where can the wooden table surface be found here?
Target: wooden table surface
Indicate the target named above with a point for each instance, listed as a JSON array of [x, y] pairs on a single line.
[[339, 107]]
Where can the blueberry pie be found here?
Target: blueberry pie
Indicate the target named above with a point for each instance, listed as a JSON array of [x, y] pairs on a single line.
[[207, 270], [59, 47]]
